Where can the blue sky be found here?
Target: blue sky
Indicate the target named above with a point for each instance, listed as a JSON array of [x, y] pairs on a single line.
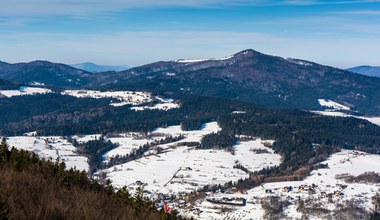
[[134, 32]]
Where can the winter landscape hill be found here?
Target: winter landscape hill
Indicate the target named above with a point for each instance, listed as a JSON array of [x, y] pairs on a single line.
[[241, 137], [44, 73], [258, 78], [247, 76]]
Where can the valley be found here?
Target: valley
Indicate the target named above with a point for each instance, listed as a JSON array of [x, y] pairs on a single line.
[[171, 173]]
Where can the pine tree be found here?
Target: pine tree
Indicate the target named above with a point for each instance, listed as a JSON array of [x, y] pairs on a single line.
[[4, 154]]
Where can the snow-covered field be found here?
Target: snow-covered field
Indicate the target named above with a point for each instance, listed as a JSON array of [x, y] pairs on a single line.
[[125, 97], [52, 148], [127, 143], [182, 169], [247, 154], [159, 106], [321, 191], [332, 104], [135, 98], [86, 138], [24, 91]]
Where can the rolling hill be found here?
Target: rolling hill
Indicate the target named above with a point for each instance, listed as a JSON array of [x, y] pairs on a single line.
[[44, 73], [366, 70]]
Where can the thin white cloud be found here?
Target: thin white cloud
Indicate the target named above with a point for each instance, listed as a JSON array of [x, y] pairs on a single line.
[[359, 12], [326, 2]]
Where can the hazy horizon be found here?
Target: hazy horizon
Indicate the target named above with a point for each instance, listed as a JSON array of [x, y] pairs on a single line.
[[126, 32]]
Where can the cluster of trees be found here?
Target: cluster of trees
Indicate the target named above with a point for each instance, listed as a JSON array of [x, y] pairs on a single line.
[[94, 150], [31, 188], [218, 140], [189, 125], [241, 167]]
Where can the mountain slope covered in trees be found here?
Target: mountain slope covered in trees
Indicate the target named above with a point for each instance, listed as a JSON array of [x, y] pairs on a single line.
[[258, 78], [31, 188], [44, 73], [248, 76]]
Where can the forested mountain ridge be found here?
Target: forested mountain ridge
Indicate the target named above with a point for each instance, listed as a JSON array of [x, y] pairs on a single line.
[[258, 78], [44, 73], [248, 76]]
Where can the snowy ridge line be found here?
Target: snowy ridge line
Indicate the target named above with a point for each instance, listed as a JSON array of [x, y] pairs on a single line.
[[202, 60]]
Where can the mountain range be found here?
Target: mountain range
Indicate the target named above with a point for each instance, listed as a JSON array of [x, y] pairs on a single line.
[[248, 76], [366, 70], [258, 78]]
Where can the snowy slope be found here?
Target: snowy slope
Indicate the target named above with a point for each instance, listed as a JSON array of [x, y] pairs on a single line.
[[332, 104], [52, 148], [24, 91], [181, 169], [126, 97]]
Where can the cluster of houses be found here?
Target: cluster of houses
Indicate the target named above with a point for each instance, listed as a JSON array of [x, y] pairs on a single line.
[[168, 203], [312, 189]]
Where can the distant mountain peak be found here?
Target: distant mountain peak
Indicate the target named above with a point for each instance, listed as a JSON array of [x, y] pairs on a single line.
[[257, 77], [95, 68], [244, 53], [366, 70]]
